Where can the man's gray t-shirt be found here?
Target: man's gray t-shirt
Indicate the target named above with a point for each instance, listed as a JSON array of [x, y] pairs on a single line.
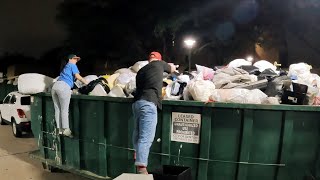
[[149, 82]]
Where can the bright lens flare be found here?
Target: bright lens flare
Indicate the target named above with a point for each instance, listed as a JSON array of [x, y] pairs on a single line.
[[189, 42]]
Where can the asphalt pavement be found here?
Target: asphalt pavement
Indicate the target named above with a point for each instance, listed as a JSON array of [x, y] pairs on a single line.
[[15, 163]]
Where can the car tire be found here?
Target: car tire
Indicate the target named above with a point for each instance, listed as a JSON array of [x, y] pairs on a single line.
[[16, 132], [1, 120]]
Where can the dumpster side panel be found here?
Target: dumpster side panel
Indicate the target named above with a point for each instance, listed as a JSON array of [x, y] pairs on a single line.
[[91, 135], [264, 151], [225, 142], [236, 142], [305, 144], [119, 125]]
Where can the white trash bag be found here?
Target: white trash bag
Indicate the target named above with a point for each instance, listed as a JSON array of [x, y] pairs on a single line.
[[138, 65], [124, 79], [239, 62], [33, 83], [263, 65], [88, 78], [201, 89], [130, 87], [123, 70], [168, 95], [98, 90], [243, 96], [117, 91], [299, 69], [205, 71], [271, 100]]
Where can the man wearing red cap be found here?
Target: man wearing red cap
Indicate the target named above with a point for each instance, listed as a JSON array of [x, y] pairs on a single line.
[[147, 99]]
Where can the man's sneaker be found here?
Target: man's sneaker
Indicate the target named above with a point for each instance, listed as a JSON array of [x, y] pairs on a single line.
[[67, 132]]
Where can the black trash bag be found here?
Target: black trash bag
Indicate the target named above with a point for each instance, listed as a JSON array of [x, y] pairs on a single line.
[[251, 70], [88, 88], [267, 74], [277, 85]]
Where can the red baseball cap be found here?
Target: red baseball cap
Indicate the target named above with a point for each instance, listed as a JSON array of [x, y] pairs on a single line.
[[155, 55]]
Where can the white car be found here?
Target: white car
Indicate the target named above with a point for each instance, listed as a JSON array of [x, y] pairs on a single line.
[[15, 110]]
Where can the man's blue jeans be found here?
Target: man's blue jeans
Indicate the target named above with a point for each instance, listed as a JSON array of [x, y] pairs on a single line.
[[145, 123]]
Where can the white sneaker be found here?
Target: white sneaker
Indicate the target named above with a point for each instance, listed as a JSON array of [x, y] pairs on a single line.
[[67, 132]]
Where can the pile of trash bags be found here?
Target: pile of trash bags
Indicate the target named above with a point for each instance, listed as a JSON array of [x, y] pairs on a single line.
[[238, 82]]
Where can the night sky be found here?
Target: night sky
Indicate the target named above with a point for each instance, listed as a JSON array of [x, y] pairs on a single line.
[[29, 27]]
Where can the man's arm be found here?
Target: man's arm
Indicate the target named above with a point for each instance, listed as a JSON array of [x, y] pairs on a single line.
[[169, 67]]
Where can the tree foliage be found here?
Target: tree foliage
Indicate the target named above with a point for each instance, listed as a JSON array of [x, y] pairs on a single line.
[[127, 30]]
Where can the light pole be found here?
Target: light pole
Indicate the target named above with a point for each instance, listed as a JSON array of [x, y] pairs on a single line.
[[189, 43]]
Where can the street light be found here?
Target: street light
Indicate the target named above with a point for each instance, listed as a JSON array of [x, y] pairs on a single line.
[[250, 58], [189, 44]]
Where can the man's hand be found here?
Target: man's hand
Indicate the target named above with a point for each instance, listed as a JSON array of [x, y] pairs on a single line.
[[173, 67]]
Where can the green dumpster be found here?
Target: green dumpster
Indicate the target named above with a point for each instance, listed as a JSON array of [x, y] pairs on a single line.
[[217, 140], [5, 89]]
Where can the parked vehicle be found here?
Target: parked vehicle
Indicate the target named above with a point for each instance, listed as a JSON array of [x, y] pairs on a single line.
[[15, 110]]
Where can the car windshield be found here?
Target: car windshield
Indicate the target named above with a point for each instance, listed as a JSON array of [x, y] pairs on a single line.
[[25, 100]]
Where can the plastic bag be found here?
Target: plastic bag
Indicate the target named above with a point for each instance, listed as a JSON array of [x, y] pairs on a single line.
[[263, 65], [201, 89], [138, 65], [123, 70], [112, 79], [243, 96], [88, 89], [184, 78], [33, 83], [124, 79], [117, 91], [206, 72], [239, 62], [299, 69], [99, 90], [271, 100], [168, 95], [88, 78], [130, 87]]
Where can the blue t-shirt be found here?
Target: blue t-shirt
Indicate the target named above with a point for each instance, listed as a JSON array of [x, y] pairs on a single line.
[[67, 74]]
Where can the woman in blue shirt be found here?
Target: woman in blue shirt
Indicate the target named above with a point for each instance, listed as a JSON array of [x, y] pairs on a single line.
[[61, 94]]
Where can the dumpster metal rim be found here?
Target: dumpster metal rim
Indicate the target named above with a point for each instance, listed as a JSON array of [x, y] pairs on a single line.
[[280, 107]]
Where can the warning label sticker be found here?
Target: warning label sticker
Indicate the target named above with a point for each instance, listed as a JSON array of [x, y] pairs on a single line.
[[186, 127]]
